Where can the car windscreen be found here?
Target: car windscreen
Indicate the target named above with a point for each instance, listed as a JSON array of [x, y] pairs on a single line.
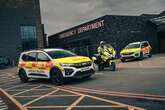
[[60, 54], [132, 46]]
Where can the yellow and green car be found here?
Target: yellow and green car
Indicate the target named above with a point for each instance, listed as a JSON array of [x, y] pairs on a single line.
[[136, 50]]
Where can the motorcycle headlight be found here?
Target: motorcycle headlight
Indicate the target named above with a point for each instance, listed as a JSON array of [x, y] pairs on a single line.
[[110, 55], [94, 58]]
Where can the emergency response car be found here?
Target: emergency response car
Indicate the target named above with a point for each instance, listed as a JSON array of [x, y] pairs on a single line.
[[54, 64], [136, 50]]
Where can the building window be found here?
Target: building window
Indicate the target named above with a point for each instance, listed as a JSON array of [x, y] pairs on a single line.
[[29, 38]]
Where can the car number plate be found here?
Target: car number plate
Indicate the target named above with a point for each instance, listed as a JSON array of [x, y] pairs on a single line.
[[85, 69]]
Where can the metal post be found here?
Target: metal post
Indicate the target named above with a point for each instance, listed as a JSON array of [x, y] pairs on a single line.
[[87, 50]]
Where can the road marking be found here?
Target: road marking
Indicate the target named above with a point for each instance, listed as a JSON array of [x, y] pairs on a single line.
[[41, 97], [112, 93], [7, 79], [84, 106], [3, 105], [105, 100], [102, 99], [21, 85], [16, 90], [98, 73], [117, 103], [14, 100], [6, 82], [14, 87], [162, 57], [27, 96], [47, 96], [75, 103], [26, 90], [36, 89]]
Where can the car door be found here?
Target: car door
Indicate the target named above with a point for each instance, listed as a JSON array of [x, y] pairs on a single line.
[[31, 64], [148, 47], [42, 62]]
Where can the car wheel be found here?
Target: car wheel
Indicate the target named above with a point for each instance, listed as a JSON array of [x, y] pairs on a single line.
[[112, 66], [123, 60], [150, 55], [23, 76], [141, 56], [56, 77], [100, 67]]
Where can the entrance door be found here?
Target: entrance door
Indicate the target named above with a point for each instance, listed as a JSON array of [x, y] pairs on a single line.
[[161, 36], [80, 47]]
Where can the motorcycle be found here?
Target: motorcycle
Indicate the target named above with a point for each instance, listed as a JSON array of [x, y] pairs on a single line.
[[106, 59]]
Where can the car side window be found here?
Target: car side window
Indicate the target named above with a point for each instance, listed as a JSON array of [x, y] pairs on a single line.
[[145, 44], [25, 57], [142, 46], [32, 56], [42, 57]]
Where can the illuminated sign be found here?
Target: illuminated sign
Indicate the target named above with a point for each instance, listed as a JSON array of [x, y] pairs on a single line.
[[82, 29]]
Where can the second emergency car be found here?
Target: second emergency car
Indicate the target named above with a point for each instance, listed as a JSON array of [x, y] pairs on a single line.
[[136, 50]]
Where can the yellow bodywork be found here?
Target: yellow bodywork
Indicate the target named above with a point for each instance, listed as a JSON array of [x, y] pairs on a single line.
[[72, 60], [130, 50], [136, 50]]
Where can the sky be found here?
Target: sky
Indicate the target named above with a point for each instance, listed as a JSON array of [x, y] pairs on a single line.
[[58, 15]]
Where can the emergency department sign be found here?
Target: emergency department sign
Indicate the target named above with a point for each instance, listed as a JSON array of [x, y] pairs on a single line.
[[82, 29]]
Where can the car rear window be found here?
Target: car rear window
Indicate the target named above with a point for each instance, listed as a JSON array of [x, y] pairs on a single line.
[[29, 56], [25, 57]]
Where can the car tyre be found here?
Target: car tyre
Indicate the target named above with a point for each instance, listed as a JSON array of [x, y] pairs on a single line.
[[112, 66], [150, 55], [100, 67], [123, 60], [141, 56], [56, 77], [23, 76]]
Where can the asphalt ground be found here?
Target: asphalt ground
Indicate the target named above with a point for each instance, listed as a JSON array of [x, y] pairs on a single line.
[[136, 85]]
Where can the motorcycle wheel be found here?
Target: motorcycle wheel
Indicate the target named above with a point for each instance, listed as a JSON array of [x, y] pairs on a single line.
[[112, 66], [100, 67]]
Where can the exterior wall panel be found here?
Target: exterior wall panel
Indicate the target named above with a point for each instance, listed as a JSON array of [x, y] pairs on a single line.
[[117, 30], [13, 15]]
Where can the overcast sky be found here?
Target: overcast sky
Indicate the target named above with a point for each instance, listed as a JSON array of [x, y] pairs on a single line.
[[58, 15]]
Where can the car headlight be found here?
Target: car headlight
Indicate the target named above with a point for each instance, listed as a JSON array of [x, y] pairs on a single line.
[[66, 65]]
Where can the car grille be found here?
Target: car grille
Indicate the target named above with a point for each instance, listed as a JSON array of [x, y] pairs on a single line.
[[130, 53], [81, 65], [84, 73], [68, 71]]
